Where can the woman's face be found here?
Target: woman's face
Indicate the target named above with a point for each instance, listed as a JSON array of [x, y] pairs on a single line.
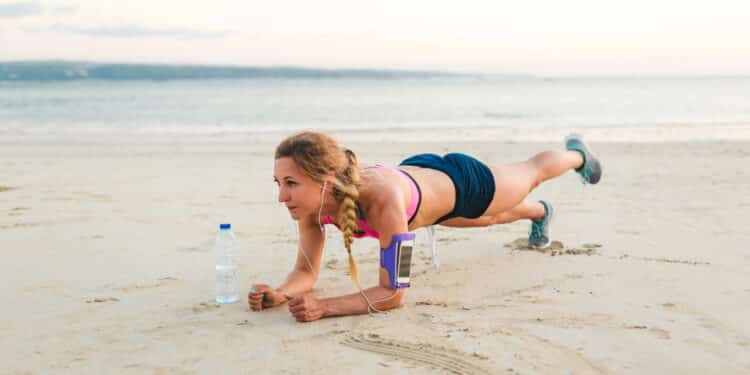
[[299, 193]]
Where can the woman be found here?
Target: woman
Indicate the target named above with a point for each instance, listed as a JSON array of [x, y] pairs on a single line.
[[321, 183]]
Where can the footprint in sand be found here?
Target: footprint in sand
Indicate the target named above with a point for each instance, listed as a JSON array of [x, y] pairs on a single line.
[[102, 299], [137, 287], [17, 211], [284, 241], [20, 225], [658, 332], [205, 246], [92, 196], [424, 354], [555, 248], [334, 264], [205, 307], [718, 329], [431, 303], [448, 240]]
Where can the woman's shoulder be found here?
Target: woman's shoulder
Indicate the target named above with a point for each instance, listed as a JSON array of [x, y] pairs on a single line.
[[380, 192]]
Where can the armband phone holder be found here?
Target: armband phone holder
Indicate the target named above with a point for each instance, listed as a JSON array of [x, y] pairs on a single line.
[[396, 259]]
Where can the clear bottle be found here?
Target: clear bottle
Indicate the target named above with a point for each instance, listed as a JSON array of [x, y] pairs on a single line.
[[226, 266]]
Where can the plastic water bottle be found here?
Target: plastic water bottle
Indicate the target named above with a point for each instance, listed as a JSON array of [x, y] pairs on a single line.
[[226, 266]]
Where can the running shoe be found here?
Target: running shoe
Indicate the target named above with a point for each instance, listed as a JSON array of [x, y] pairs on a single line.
[[539, 236], [591, 170]]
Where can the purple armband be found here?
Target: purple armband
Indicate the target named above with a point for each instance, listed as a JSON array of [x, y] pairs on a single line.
[[396, 259]]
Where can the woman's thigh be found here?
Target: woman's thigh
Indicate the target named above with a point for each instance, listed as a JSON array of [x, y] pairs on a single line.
[[463, 222], [513, 183]]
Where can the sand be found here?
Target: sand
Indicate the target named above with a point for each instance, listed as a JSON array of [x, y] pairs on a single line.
[[106, 246]]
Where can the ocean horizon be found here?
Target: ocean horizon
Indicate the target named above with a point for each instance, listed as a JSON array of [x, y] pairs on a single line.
[[518, 107]]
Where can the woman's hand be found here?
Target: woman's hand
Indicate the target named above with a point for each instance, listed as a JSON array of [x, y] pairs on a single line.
[[262, 296], [306, 308]]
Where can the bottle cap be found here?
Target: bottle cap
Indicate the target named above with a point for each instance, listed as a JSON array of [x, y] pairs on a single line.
[[225, 226]]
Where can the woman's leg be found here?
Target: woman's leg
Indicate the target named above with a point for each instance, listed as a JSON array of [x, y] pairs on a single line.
[[514, 182], [524, 210]]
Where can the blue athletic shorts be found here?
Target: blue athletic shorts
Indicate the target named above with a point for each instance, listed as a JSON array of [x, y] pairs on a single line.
[[473, 180]]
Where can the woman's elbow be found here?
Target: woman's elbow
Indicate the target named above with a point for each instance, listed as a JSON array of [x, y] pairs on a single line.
[[395, 300]]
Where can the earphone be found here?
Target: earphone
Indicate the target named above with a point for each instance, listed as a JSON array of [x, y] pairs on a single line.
[[320, 210]]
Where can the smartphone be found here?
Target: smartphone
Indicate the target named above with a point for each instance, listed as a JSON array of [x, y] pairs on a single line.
[[403, 268]]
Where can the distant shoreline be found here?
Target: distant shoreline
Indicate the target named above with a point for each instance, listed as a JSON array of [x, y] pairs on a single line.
[[71, 70], [732, 134], [79, 70]]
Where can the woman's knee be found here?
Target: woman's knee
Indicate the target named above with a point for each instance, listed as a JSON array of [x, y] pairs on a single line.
[[536, 171], [549, 164], [503, 218]]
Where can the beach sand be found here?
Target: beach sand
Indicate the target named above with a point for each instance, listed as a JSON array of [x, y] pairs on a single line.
[[107, 265]]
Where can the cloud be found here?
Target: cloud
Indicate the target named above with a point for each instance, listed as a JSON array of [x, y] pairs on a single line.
[[64, 9], [132, 32], [21, 9]]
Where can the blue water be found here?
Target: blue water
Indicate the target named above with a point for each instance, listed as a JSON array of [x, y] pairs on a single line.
[[362, 104]]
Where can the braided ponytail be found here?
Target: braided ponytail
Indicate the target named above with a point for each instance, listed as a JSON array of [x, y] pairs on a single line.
[[347, 195]]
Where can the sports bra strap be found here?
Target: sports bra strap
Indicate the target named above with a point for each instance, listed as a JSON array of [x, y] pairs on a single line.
[[416, 194]]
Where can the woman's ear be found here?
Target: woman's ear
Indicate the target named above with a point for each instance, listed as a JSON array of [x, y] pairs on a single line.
[[330, 178]]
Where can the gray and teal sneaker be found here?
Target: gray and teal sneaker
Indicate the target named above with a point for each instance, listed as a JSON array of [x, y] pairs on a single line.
[[591, 170], [539, 236]]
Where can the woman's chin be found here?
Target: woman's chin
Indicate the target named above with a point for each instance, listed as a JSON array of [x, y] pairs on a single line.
[[295, 213]]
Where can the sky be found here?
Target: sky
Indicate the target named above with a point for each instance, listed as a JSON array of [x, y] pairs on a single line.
[[572, 37]]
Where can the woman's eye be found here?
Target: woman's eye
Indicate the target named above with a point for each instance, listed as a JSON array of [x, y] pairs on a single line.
[[291, 183]]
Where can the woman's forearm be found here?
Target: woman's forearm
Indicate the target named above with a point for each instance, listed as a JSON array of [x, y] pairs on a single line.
[[298, 282], [380, 298]]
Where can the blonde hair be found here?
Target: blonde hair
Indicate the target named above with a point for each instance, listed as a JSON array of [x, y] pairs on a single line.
[[317, 155]]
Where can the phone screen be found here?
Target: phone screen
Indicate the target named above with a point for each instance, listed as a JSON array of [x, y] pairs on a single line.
[[404, 261]]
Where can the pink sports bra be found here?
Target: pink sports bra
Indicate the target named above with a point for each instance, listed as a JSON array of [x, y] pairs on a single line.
[[411, 211]]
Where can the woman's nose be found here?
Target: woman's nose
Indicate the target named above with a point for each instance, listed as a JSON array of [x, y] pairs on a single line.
[[283, 195]]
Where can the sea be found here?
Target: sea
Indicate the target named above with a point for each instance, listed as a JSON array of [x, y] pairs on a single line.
[[523, 108]]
